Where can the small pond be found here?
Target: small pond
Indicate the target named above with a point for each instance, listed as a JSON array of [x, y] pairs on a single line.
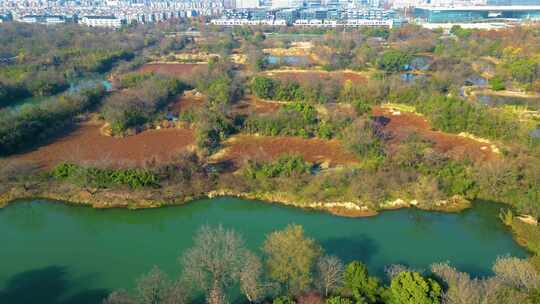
[[288, 60], [500, 100]]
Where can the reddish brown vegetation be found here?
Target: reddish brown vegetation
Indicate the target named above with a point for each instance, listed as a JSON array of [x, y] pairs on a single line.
[[180, 70], [405, 124], [86, 144], [308, 77], [253, 105], [190, 100], [243, 147]]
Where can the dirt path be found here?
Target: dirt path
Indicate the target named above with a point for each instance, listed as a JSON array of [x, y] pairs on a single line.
[[86, 144]]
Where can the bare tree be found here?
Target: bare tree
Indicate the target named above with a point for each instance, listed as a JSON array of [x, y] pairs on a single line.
[[461, 289], [119, 297], [251, 283], [395, 269], [152, 288], [214, 262], [517, 273], [330, 270]]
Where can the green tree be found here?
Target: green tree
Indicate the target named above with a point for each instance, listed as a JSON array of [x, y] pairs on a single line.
[[359, 284], [263, 87], [411, 288], [497, 83], [219, 91], [290, 257], [283, 300], [338, 300], [393, 61]]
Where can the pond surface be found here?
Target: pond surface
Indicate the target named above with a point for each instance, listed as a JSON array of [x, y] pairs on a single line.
[[500, 100], [75, 86], [411, 77], [55, 253], [419, 63], [288, 60], [81, 84]]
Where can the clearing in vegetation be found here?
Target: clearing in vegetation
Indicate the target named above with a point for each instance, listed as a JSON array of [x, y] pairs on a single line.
[[403, 124], [263, 148], [86, 144], [180, 70], [308, 76], [189, 100], [252, 105]]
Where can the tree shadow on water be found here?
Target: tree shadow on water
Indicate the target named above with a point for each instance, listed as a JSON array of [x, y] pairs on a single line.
[[360, 248], [49, 285]]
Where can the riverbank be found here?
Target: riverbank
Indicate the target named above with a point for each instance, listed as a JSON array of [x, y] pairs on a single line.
[[154, 198]]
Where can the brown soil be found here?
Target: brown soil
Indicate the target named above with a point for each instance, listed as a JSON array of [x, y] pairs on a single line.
[[308, 76], [403, 125], [86, 144], [180, 70], [253, 105], [187, 101], [244, 147]]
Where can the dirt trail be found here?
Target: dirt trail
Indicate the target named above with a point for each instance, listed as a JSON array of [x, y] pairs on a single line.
[[86, 144]]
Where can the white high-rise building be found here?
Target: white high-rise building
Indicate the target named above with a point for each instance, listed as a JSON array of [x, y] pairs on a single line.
[[280, 3], [246, 4]]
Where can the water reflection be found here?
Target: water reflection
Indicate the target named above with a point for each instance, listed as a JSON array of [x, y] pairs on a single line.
[[46, 285]]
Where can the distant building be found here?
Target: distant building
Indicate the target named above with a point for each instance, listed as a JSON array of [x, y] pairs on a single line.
[[241, 4], [513, 2], [42, 19], [289, 15], [5, 17], [101, 21], [310, 17], [476, 13], [282, 3]]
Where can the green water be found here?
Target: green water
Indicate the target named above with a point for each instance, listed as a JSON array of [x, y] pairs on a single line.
[[54, 253]]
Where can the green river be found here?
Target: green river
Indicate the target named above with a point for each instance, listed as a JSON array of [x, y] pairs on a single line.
[[55, 253]]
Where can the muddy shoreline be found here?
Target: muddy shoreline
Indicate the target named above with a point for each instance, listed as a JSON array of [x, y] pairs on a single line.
[[155, 198]]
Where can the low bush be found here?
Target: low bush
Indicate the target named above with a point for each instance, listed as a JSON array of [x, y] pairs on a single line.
[[105, 178], [284, 166]]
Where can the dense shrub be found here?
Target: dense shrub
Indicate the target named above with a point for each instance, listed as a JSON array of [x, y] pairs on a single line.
[[105, 178], [212, 128], [284, 166], [297, 119], [393, 61], [137, 106], [497, 83], [133, 79], [32, 124], [456, 115]]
